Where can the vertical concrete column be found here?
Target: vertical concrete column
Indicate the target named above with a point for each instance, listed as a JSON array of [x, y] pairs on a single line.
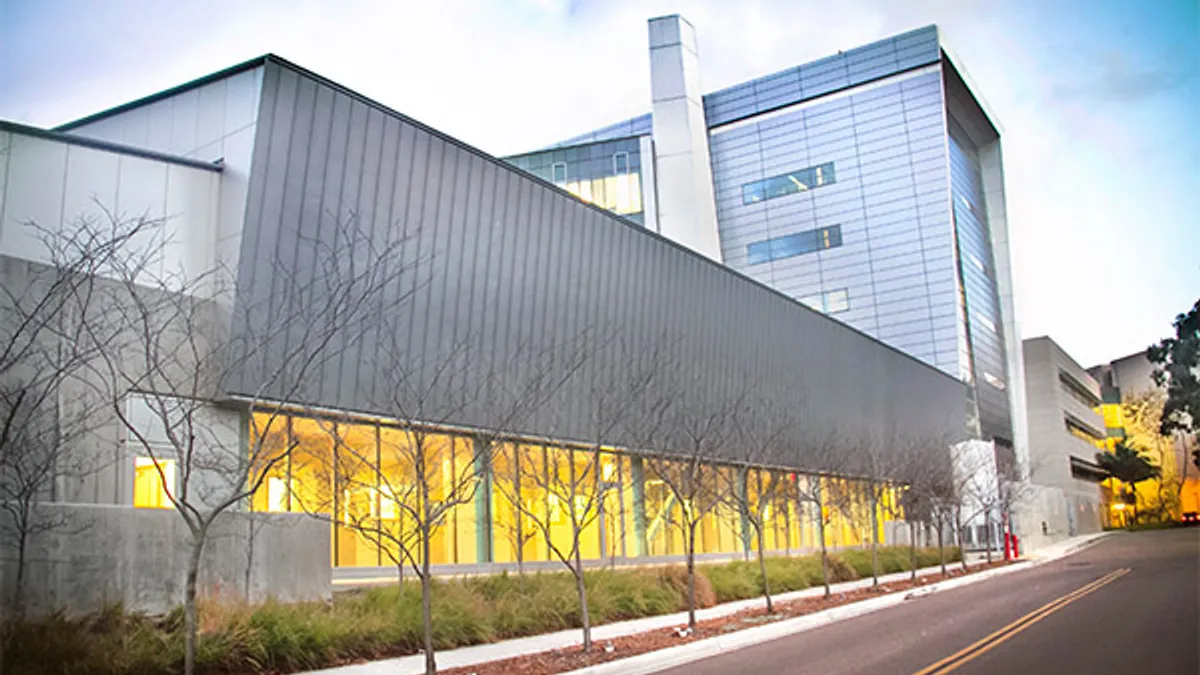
[[687, 211], [639, 505], [483, 501]]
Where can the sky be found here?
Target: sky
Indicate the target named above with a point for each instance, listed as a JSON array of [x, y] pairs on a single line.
[[1098, 102]]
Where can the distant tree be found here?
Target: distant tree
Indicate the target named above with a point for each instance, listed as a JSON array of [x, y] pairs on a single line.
[[1128, 466], [1143, 413], [1177, 368]]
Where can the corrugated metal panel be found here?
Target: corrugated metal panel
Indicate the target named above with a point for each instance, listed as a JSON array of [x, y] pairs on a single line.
[[502, 264]]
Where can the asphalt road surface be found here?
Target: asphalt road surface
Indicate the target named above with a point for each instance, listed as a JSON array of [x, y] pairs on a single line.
[[1129, 604]]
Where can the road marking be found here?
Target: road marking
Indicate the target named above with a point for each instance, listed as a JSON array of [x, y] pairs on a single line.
[[986, 644]]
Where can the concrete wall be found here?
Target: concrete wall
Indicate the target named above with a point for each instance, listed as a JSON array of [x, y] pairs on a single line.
[[1055, 504], [1050, 514], [1051, 445], [138, 557]]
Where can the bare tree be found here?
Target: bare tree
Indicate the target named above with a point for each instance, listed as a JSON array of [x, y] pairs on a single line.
[[812, 495], [574, 490], [876, 460], [399, 484], [574, 481], [45, 409], [185, 334], [764, 434], [691, 430], [977, 489], [926, 475]]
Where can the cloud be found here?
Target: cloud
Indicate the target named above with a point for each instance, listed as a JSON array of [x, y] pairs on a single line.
[[1120, 81], [1099, 177]]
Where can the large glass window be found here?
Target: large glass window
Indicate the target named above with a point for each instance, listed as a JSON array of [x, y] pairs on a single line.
[[152, 482], [794, 244], [801, 180], [363, 478]]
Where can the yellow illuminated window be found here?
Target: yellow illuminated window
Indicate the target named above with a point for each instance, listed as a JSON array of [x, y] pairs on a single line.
[[149, 489]]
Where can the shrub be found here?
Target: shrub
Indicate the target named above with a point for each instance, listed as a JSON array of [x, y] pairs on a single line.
[[732, 581], [385, 621]]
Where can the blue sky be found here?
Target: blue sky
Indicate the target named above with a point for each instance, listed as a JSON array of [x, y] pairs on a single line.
[[1098, 101]]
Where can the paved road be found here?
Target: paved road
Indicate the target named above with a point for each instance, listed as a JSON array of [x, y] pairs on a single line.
[[1129, 604]]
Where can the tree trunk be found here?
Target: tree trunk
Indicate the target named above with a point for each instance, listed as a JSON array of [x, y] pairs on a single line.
[[249, 556], [874, 537], [987, 539], [19, 587], [427, 605], [581, 589], [426, 530], [762, 569], [912, 549], [962, 548], [941, 545], [691, 575], [189, 602], [517, 516], [824, 548]]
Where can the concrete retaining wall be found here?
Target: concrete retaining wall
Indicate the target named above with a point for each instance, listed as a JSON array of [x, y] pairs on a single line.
[[138, 557]]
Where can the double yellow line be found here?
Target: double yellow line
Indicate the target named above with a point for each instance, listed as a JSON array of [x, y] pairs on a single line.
[[988, 643]]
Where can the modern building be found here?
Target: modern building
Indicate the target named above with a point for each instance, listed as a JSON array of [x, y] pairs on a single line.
[[1121, 381], [255, 171], [868, 185], [1066, 431]]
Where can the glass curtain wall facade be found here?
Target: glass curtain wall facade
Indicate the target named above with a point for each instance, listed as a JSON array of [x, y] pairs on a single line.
[[882, 190], [514, 500], [607, 174], [980, 338]]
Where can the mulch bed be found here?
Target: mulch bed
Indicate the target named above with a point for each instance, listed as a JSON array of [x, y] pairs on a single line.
[[572, 658]]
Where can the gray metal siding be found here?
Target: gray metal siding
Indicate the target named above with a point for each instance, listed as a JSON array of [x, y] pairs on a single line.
[[502, 262]]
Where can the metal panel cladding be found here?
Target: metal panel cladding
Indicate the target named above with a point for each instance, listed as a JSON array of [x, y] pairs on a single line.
[[504, 264]]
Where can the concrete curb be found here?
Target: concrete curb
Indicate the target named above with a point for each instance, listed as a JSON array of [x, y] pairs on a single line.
[[652, 662], [663, 659]]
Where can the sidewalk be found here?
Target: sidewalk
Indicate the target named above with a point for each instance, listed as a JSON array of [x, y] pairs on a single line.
[[476, 654]]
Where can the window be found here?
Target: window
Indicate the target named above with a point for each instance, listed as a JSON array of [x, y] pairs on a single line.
[[1083, 432], [558, 172], [150, 485], [620, 163], [792, 245], [837, 301], [830, 302], [1077, 391], [792, 182], [991, 325], [994, 381]]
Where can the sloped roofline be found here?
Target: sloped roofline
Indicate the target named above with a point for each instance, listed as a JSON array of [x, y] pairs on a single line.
[[167, 93], [120, 148], [273, 58]]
